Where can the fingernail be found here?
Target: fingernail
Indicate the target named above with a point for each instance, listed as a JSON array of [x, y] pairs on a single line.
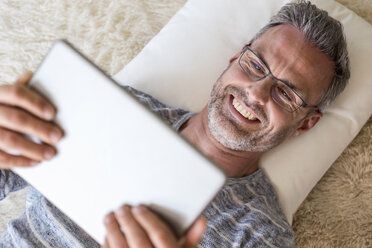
[[48, 154], [108, 219], [122, 211], [138, 209], [33, 162], [48, 113], [54, 136]]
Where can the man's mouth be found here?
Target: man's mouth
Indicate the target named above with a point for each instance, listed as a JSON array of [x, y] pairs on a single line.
[[243, 111]]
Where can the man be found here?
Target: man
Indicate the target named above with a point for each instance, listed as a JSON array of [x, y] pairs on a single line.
[[275, 88]]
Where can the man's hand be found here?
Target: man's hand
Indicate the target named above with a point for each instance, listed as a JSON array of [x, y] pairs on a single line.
[[144, 229], [24, 112]]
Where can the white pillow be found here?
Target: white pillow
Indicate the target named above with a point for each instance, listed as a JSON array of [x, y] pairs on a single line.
[[180, 65]]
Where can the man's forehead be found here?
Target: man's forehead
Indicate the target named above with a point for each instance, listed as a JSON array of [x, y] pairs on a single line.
[[284, 33], [290, 57], [283, 40]]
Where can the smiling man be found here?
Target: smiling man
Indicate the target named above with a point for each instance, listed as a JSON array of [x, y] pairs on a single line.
[[275, 88], [251, 111]]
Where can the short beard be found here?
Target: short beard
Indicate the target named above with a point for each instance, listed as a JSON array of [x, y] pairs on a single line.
[[229, 134]]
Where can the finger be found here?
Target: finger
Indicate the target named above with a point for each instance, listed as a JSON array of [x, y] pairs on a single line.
[[115, 237], [195, 233], [21, 96], [8, 161], [134, 233], [13, 141], [159, 233], [105, 244], [20, 121], [24, 78]]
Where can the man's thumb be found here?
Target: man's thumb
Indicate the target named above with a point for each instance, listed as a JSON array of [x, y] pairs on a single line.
[[195, 233], [24, 78]]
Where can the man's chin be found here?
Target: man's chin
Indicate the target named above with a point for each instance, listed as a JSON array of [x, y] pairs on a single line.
[[234, 134], [230, 136], [232, 141], [241, 146]]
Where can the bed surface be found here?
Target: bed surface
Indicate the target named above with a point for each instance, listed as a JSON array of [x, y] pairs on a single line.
[[337, 213]]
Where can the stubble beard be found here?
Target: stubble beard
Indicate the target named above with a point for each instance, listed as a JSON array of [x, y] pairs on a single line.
[[229, 133]]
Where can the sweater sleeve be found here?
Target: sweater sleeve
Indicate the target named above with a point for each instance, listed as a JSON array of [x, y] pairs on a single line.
[[10, 182], [175, 117]]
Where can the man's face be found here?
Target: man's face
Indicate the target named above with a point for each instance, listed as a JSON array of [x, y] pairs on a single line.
[[234, 95]]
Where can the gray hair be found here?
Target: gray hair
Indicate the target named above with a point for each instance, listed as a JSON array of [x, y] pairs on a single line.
[[322, 31]]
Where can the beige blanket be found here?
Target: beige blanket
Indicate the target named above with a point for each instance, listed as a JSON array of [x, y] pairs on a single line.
[[338, 213]]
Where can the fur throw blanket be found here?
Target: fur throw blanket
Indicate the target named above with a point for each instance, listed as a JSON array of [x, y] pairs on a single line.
[[337, 213]]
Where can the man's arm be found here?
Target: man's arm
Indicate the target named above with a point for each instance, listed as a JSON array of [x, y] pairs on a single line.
[[10, 182]]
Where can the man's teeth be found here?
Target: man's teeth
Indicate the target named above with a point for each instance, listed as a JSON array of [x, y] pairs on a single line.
[[242, 111]]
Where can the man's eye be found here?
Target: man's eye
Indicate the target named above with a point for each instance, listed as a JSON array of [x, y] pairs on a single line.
[[257, 66], [283, 93]]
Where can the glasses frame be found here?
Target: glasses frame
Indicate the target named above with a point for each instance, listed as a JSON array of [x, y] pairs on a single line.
[[275, 79]]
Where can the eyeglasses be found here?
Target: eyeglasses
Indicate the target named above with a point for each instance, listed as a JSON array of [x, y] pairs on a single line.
[[281, 92]]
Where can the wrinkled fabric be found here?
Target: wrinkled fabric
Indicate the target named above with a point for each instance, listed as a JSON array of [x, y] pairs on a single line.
[[245, 213]]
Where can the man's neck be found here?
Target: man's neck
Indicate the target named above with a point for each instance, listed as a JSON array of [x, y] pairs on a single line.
[[234, 163]]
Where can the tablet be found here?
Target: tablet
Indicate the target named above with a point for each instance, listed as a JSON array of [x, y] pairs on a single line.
[[115, 151]]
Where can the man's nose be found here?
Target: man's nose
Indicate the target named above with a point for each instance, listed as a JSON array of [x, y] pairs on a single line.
[[259, 91]]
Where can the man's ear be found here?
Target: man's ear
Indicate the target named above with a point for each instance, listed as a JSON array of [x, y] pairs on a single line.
[[237, 55], [234, 58], [308, 123]]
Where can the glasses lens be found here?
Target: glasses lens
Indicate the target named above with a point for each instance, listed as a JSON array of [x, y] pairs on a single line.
[[285, 96], [253, 66]]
